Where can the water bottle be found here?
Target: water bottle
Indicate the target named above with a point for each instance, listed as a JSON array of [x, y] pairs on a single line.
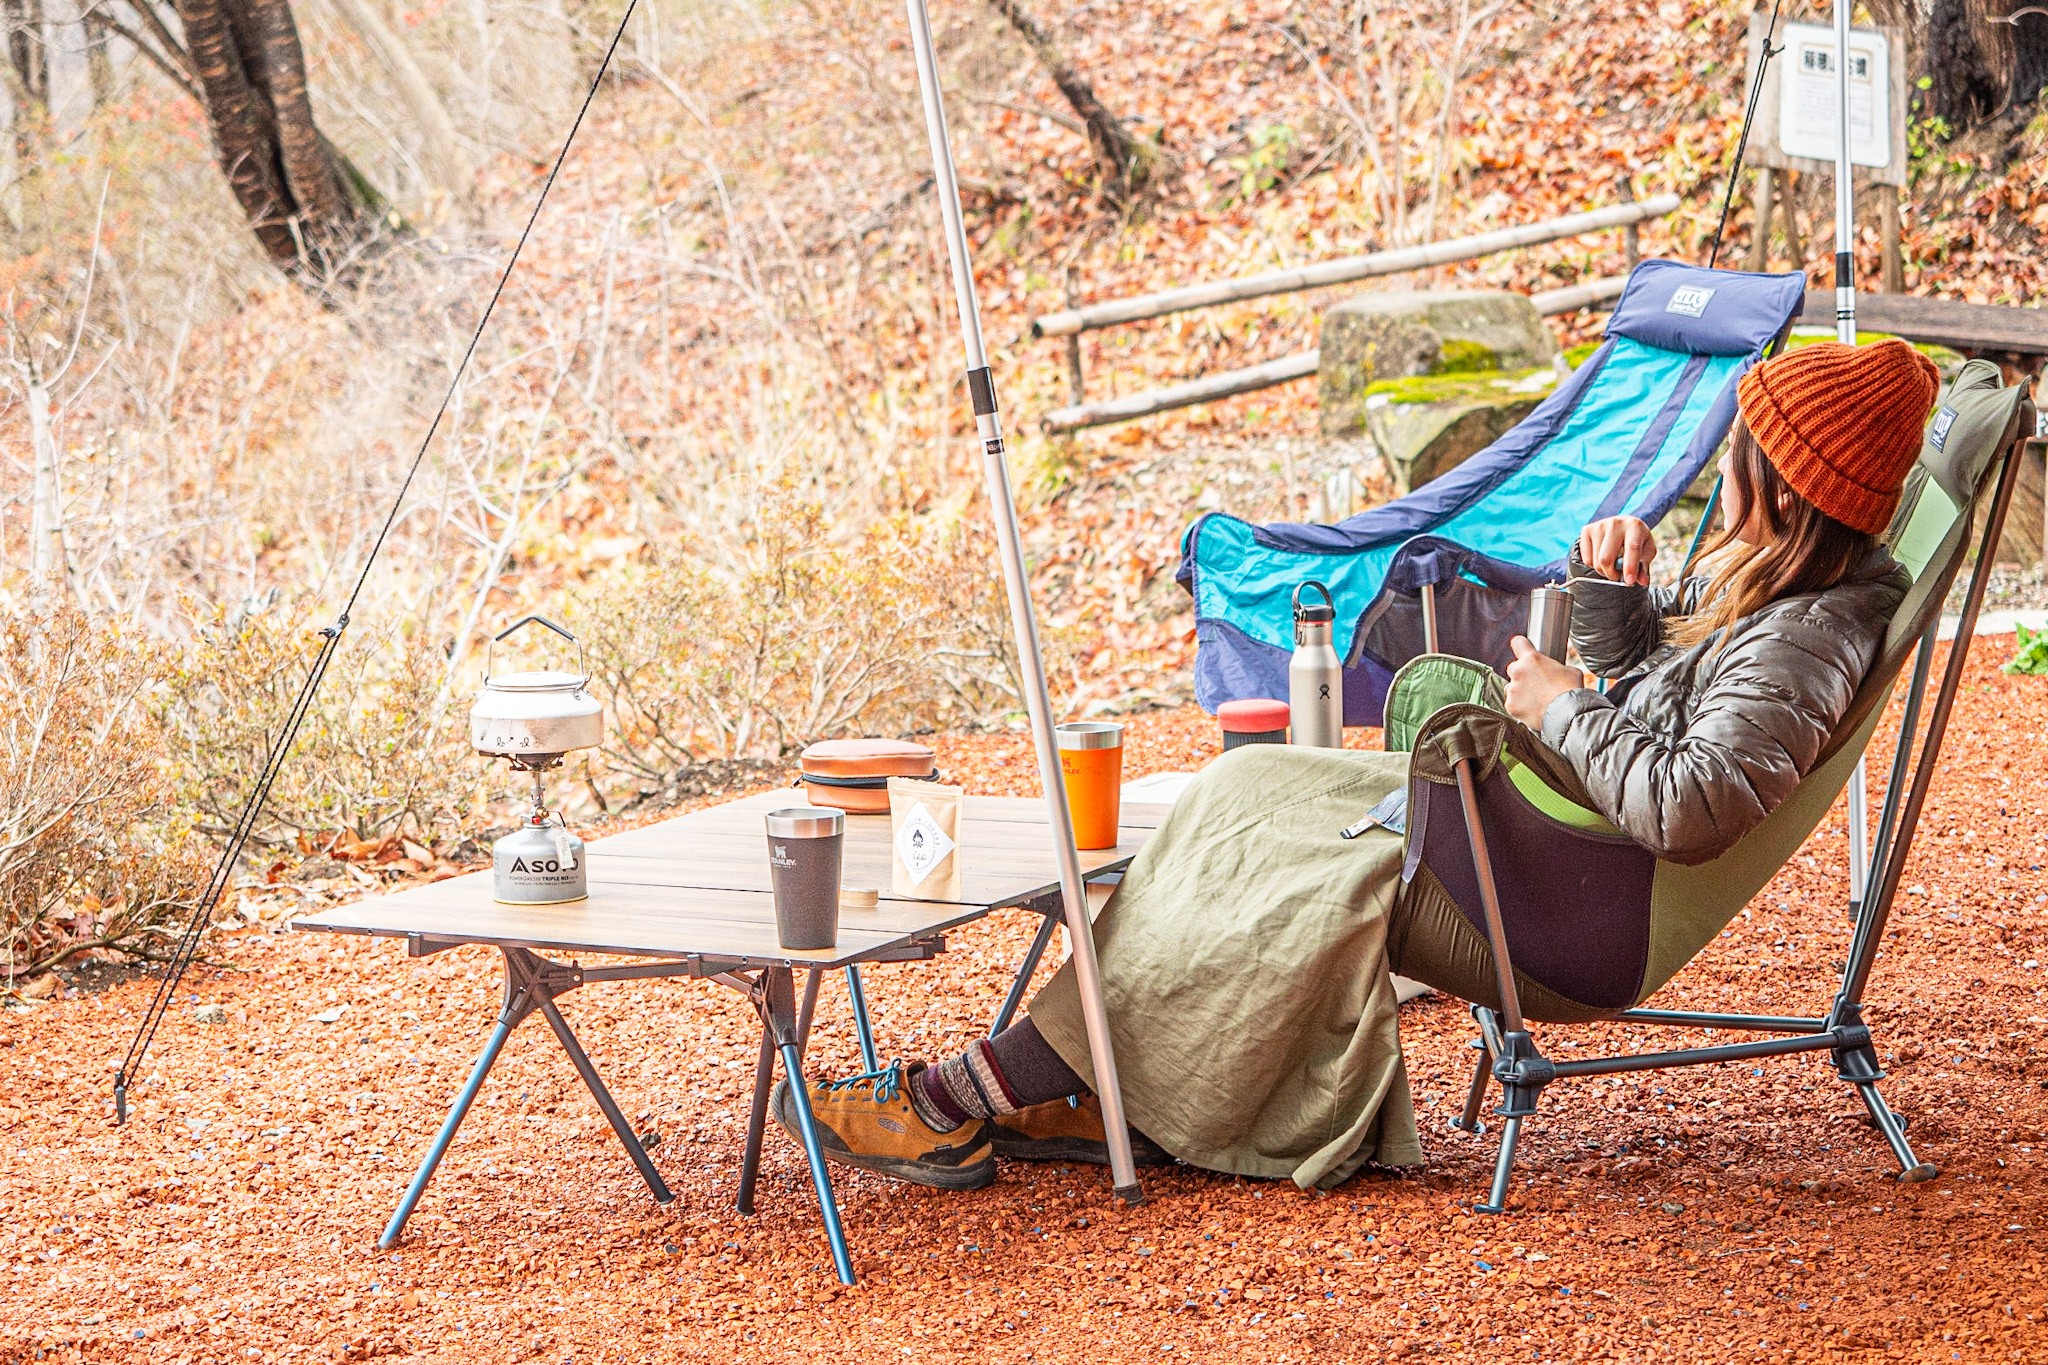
[[1315, 679]]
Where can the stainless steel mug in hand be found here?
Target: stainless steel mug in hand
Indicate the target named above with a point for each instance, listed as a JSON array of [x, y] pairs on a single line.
[[1550, 621], [804, 850]]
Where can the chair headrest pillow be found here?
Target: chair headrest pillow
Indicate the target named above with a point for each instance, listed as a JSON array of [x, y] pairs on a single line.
[[1696, 311]]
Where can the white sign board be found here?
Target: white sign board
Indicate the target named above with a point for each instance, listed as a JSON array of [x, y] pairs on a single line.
[[1809, 95]]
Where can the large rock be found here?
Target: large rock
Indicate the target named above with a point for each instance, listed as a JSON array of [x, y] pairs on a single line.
[[1427, 425], [1382, 336]]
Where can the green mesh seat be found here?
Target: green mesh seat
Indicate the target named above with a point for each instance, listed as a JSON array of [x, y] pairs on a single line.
[[1504, 827]]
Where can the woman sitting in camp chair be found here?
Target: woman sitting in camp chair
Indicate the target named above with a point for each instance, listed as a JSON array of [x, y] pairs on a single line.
[[1246, 956]]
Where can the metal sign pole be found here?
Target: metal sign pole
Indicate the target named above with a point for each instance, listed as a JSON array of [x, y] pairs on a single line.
[[1845, 331], [1009, 539]]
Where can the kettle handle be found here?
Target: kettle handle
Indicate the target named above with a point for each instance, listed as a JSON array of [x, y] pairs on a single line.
[[491, 650], [1328, 600]]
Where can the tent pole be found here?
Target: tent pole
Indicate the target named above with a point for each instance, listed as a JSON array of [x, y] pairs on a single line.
[[1845, 331], [1031, 667]]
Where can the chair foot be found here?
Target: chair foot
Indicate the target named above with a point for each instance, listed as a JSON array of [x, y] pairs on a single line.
[[1503, 1167], [1912, 1170]]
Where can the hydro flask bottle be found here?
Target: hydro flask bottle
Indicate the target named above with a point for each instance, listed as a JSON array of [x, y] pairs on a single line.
[[1315, 679]]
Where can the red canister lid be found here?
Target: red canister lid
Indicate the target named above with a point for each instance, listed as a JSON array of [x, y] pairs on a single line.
[[1253, 716]]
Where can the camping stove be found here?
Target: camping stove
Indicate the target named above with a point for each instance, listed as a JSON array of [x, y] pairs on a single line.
[[532, 720]]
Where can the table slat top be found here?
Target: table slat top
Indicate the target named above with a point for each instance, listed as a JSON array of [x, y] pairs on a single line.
[[633, 919], [698, 885]]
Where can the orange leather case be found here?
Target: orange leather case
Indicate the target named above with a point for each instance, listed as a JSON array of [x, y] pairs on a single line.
[[854, 773]]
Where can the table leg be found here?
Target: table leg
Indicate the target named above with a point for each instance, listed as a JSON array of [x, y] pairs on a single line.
[[516, 1008], [764, 1077], [778, 1005], [862, 1029], [1039, 943], [813, 979], [604, 1099]]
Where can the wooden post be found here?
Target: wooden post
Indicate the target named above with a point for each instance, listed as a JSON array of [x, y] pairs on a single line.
[[1075, 395], [1893, 280], [1760, 234], [1631, 239], [1788, 204]]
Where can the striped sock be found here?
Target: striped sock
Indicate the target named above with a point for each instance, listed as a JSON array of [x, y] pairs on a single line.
[[962, 1088]]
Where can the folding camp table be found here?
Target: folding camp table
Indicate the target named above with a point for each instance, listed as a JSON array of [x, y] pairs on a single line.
[[691, 896]]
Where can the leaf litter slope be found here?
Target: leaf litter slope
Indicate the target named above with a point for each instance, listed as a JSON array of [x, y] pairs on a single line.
[[1724, 1215], [1737, 1214]]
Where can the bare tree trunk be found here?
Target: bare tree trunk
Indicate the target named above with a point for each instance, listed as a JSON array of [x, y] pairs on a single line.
[[46, 505], [1977, 68], [2030, 59], [1128, 162], [99, 60], [311, 212], [28, 75], [440, 152]]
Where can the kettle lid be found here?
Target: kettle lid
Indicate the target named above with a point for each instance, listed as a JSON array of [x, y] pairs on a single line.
[[540, 680]]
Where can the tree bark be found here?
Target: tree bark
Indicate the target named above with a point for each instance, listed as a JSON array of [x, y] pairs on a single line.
[[1128, 163], [1979, 68], [28, 75], [2030, 58], [308, 210], [27, 49]]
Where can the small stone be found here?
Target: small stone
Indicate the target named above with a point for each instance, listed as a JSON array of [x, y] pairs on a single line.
[[1674, 1209], [211, 1014], [332, 1016]]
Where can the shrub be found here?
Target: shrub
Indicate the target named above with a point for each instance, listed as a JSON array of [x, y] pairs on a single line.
[[381, 753], [90, 854], [803, 636]]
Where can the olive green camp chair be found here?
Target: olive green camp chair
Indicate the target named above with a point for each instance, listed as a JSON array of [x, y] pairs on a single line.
[[1504, 826]]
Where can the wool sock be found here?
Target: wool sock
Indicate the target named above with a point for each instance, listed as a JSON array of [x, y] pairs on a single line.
[[1013, 1070]]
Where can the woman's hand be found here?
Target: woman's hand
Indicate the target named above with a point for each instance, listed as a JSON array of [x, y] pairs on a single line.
[[1619, 548], [1535, 679]]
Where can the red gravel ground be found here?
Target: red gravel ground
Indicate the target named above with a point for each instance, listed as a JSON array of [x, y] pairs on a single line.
[[1744, 1213]]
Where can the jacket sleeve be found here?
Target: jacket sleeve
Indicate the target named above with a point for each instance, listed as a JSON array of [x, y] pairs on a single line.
[[1616, 625], [1756, 730]]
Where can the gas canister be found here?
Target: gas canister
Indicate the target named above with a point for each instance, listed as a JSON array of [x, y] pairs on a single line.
[[540, 863]]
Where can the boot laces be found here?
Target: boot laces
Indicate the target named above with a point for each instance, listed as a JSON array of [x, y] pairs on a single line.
[[887, 1082]]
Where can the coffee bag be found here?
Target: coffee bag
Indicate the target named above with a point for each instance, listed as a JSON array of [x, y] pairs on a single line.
[[924, 829]]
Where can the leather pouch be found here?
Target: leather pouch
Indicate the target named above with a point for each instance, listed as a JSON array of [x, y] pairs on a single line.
[[853, 774]]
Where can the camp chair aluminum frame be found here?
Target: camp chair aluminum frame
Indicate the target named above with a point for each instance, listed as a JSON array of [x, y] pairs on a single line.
[[1508, 1052]]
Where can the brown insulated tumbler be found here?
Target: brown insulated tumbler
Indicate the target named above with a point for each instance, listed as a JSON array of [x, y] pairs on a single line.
[[804, 847]]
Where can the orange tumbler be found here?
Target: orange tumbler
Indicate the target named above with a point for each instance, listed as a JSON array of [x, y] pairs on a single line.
[[1092, 765]]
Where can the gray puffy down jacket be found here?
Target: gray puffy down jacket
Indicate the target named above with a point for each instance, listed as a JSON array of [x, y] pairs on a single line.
[[1690, 749]]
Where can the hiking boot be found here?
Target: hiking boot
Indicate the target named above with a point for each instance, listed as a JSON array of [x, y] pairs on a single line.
[[1058, 1131], [867, 1121]]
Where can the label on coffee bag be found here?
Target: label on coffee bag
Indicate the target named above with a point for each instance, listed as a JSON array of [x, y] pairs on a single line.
[[921, 844]]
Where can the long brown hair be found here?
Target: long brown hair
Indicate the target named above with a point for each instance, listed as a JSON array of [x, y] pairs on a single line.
[[1797, 548]]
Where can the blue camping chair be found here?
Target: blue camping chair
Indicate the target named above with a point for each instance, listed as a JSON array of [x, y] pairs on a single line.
[[1449, 567]]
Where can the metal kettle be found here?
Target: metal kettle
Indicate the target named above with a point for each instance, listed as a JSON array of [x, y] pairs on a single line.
[[533, 718]]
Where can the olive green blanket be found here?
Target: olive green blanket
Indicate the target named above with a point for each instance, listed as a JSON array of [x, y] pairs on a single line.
[[1244, 964]]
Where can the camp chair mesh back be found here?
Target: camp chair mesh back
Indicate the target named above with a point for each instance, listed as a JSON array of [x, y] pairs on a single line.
[[1505, 826], [1448, 567]]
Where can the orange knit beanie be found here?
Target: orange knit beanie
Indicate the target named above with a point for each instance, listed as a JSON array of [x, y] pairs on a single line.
[[1843, 423]]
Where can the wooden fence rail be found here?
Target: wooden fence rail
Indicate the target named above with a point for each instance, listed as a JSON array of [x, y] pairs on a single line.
[[1300, 365], [1348, 268]]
